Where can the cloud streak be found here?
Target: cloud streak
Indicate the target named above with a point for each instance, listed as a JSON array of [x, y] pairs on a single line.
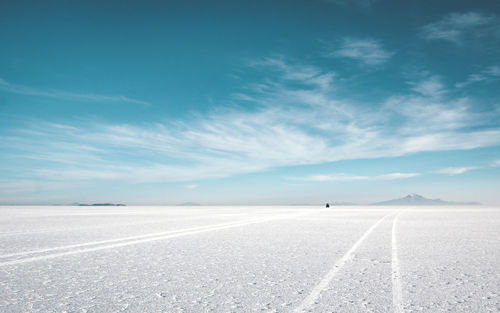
[[455, 170], [430, 87], [456, 27], [350, 178], [64, 95], [367, 51], [489, 74]]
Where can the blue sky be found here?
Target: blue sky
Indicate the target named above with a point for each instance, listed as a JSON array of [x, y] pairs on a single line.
[[249, 102]]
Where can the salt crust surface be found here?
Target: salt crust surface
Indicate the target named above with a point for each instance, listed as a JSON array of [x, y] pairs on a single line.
[[249, 259]]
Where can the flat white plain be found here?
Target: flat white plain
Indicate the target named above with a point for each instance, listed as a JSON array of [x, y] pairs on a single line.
[[249, 259]]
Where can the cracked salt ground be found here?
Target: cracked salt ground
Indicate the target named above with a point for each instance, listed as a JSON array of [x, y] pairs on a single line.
[[458, 260], [277, 261]]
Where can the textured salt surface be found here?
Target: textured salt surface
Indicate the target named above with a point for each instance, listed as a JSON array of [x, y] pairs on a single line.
[[249, 259]]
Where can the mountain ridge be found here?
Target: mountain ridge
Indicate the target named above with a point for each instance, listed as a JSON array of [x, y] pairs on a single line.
[[416, 199]]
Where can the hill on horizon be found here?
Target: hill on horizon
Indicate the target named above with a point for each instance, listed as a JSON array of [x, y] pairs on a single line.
[[415, 199]]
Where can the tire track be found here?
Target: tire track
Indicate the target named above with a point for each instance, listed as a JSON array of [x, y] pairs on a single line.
[[397, 291], [323, 284], [100, 242], [56, 230], [133, 240]]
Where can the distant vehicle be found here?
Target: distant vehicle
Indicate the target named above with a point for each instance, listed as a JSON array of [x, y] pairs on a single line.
[[327, 205]]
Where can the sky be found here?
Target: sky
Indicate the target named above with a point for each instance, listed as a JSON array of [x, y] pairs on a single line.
[[249, 102]]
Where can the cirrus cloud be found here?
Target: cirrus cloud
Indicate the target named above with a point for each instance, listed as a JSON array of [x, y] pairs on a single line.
[[456, 27], [367, 51], [347, 178], [297, 120], [455, 170]]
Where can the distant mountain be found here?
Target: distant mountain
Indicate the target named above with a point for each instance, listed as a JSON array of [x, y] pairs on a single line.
[[414, 199]]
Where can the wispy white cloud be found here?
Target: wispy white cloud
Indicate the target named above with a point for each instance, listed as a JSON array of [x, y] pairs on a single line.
[[307, 75], [493, 71], [455, 27], [464, 169], [367, 51], [451, 141], [392, 176], [420, 115], [297, 120], [331, 177], [347, 178], [60, 94], [495, 163], [488, 74], [471, 79], [430, 87], [455, 170], [192, 186]]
